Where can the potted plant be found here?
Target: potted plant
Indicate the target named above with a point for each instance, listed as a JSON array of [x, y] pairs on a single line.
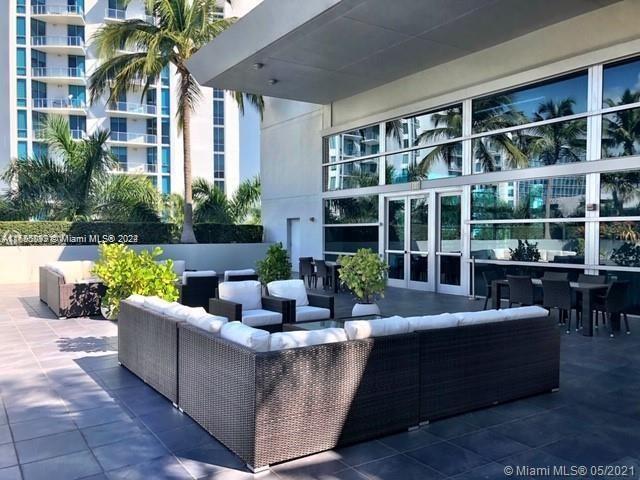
[[275, 266], [125, 272], [365, 274]]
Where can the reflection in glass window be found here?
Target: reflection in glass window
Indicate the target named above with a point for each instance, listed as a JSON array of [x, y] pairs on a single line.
[[424, 129], [544, 145], [561, 197], [350, 239], [357, 143], [351, 210], [621, 133], [529, 242], [550, 99], [621, 83], [359, 174], [620, 194], [620, 244], [425, 164]]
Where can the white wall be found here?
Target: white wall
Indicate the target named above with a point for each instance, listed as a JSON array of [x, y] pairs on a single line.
[[20, 264]]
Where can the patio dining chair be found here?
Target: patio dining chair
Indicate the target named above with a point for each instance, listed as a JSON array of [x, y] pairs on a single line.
[[521, 291], [488, 277], [614, 302], [551, 275], [323, 273], [557, 294], [307, 271], [585, 278]]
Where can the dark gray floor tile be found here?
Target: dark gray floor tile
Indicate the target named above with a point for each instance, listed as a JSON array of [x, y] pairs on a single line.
[[448, 458], [185, 438], [67, 467], [410, 440], [10, 473], [211, 460], [5, 434], [594, 447], [534, 458], [134, 450], [111, 432], [40, 428], [365, 452], [7, 455], [398, 467], [537, 430], [100, 416], [450, 427], [318, 465], [166, 468], [489, 444], [490, 471], [50, 446], [166, 420]]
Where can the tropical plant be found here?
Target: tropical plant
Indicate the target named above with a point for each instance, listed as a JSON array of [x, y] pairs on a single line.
[[213, 206], [178, 30], [624, 187], [125, 272], [525, 252], [364, 274], [73, 181], [172, 208], [275, 266]]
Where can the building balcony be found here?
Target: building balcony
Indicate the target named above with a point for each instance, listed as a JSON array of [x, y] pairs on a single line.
[[39, 134], [113, 15], [60, 13], [63, 44], [131, 138], [56, 105], [135, 169], [60, 75], [131, 109]]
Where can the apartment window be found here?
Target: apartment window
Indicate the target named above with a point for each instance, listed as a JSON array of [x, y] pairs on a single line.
[[38, 122], [40, 149], [152, 95], [21, 92], [166, 131], [76, 65], [440, 161], [78, 126], [22, 150], [22, 124], [218, 139], [356, 143], [164, 75], [218, 108], [21, 31], [120, 154], [75, 34], [152, 159], [166, 101], [78, 95], [219, 184], [166, 160], [166, 185], [38, 29], [39, 93], [118, 124], [21, 61], [621, 132], [21, 6], [152, 126], [38, 59], [218, 165], [357, 174], [154, 180], [620, 83]]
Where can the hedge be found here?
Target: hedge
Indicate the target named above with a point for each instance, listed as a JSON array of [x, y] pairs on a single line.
[[92, 233]]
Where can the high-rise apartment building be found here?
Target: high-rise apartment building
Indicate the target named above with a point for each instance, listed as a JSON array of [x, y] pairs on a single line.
[[46, 68]]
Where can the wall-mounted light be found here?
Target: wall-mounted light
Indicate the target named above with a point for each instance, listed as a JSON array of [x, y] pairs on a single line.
[[258, 65], [272, 81], [312, 219]]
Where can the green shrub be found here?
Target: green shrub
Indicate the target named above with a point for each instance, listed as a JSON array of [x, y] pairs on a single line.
[[275, 266], [525, 252], [125, 272], [365, 274], [220, 233]]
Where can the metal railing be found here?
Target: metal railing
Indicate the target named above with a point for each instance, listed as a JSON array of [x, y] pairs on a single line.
[[72, 72], [57, 9], [131, 107], [57, 40], [132, 137], [122, 14], [78, 134], [59, 103]]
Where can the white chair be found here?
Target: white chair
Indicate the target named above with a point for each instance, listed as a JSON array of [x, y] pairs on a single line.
[[243, 301], [308, 306]]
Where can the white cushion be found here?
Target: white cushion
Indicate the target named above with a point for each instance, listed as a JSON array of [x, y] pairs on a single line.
[[248, 293], [291, 289], [260, 318], [137, 299], [71, 271], [280, 341], [242, 334], [484, 316], [358, 329], [208, 322], [430, 322], [307, 313], [232, 273], [199, 273], [156, 304], [182, 313], [525, 312]]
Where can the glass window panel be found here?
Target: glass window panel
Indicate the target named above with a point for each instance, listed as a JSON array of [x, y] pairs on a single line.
[[358, 174], [21, 6], [350, 239], [166, 131], [620, 194], [450, 224], [22, 150], [166, 185], [40, 149], [550, 144], [633, 300], [166, 101], [351, 210], [21, 92], [621, 133], [620, 83], [396, 266], [357, 143], [503, 270], [21, 31], [545, 242], [424, 129], [450, 270], [419, 229], [164, 75], [560, 197], [166, 160], [21, 61], [620, 244], [441, 161], [22, 123], [549, 99], [395, 224], [419, 267]]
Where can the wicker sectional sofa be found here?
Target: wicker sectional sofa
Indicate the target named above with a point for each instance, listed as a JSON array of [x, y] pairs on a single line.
[[272, 405], [69, 288]]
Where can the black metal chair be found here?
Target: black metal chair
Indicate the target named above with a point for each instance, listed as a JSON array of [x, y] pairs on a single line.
[[488, 277], [557, 294], [322, 272], [521, 291], [614, 302], [307, 271], [555, 276], [596, 279]]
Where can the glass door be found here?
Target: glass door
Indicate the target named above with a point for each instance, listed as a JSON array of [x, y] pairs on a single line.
[[449, 243], [407, 241]]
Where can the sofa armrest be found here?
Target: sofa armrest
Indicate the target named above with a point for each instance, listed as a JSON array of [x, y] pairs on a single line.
[[285, 306], [225, 308], [322, 301]]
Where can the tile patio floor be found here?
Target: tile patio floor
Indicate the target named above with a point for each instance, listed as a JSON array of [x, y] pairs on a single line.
[[68, 411]]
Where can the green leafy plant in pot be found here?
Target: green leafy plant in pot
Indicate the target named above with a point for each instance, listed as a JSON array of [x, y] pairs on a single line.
[[125, 272], [275, 266], [365, 274]]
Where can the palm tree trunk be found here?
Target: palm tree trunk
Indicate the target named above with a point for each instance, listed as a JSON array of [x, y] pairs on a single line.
[[188, 236]]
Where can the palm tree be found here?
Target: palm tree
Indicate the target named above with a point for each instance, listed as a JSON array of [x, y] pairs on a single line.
[[74, 181], [213, 206], [180, 28], [622, 128]]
